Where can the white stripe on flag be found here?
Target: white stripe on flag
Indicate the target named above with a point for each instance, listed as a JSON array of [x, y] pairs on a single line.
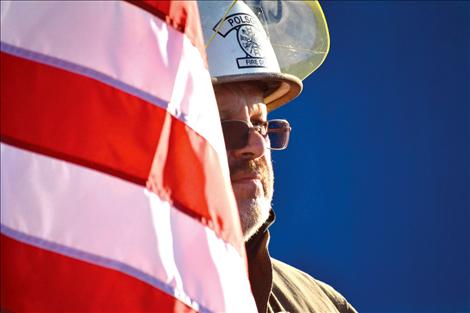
[[86, 211], [120, 41]]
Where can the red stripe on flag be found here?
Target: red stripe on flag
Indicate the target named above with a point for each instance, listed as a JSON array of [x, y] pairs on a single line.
[[98, 126], [181, 15], [77, 118], [32, 279]]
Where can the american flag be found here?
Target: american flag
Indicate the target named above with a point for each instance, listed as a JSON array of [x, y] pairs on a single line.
[[115, 193]]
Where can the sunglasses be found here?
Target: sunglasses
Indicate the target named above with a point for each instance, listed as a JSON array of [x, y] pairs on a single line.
[[237, 133]]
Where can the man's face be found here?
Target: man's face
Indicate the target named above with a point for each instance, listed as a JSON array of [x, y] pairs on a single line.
[[251, 170]]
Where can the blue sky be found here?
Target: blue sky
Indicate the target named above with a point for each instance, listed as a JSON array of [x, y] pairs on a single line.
[[372, 195]]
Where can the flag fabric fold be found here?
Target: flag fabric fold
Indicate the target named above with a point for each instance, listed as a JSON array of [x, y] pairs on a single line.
[[115, 193]]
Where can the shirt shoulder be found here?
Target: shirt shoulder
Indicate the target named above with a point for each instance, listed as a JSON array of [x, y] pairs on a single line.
[[296, 291]]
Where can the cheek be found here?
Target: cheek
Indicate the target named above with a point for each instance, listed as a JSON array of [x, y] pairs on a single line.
[[268, 162], [267, 155], [231, 159], [268, 182]]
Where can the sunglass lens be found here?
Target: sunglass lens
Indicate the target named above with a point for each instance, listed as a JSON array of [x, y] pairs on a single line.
[[278, 132], [235, 134]]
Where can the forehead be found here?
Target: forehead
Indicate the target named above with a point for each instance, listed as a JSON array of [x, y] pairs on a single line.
[[240, 100]]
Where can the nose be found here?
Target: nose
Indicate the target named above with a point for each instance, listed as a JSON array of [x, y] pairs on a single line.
[[254, 149]]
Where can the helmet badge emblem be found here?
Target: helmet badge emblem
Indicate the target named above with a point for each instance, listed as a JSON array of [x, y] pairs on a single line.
[[250, 36]]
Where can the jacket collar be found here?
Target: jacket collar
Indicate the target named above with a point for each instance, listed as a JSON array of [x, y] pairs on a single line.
[[259, 264]]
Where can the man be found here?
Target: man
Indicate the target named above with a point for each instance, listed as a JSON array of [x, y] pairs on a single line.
[[248, 82]]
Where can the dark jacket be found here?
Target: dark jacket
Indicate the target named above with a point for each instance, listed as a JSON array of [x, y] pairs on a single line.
[[278, 287]]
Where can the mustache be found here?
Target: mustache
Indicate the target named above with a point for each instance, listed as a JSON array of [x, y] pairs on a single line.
[[258, 166]]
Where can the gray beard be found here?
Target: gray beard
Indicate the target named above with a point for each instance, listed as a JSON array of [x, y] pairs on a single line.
[[254, 211], [253, 214]]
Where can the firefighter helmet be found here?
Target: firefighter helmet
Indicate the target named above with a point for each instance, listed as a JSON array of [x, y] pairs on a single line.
[[277, 43]]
